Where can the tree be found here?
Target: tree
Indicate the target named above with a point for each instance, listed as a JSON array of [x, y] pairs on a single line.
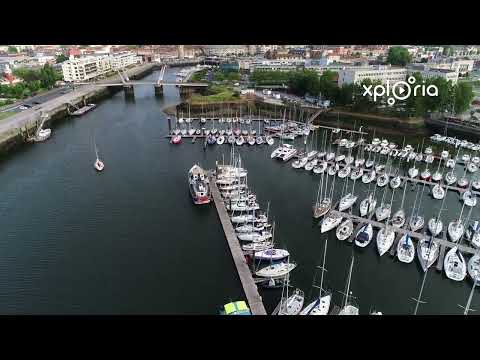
[[12, 49], [60, 58], [398, 55], [463, 97]]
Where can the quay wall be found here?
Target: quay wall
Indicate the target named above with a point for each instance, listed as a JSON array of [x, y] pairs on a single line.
[[24, 124]]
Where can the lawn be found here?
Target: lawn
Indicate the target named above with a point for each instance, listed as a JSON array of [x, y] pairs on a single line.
[[218, 94], [6, 114]]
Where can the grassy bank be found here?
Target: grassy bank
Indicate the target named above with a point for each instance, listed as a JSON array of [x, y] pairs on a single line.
[[215, 94]]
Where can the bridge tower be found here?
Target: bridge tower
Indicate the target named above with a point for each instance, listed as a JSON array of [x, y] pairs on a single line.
[[159, 86], [127, 89]]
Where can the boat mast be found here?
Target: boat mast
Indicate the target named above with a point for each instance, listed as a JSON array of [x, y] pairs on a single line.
[[347, 293], [469, 301], [418, 300]]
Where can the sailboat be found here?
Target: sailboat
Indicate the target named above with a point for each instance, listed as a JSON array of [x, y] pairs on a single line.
[[384, 210], [427, 252], [347, 201], [99, 165], [435, 225], [330, 221], [321, 304], [348, 307], [321, 207], [398, 219], [345, 229], [454, 265], [473, 268], [473, 234], [293, 304], [368, 204], [456, 228], [417, 221], [405, 249], [364, 235]]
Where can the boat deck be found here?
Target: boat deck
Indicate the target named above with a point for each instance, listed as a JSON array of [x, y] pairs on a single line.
[[249, 287]]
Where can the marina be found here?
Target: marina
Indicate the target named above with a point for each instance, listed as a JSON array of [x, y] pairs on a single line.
[[157, 272]]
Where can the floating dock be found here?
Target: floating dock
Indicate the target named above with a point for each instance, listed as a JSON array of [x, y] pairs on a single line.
[[249, 287], [83, 110]]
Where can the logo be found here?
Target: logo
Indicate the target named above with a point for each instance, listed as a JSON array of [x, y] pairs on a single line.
[[401, 90]]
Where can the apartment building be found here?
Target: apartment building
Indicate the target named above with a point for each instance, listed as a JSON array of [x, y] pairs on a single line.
[[383, 73], [89, 67], [462, 66], [429, 72]]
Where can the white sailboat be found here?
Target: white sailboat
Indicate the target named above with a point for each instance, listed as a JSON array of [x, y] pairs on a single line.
[[473, 268], [454, 265], [405, 249], [330, 221], [345, 229], [364, 235], [99, 165]]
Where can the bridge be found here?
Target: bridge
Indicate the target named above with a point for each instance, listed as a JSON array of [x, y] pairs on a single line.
[[158, 85]]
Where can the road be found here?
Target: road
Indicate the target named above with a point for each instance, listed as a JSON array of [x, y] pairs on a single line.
[[40, 99]]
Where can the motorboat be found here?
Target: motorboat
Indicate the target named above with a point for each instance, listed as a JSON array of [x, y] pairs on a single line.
[[427, 252], [438, 192], [293, 304], [272, 254], [330, 221], [455, 230], [99, 165], [469, 199], [395, 182], [383, 211], [416, 223], [435, 226], [347, 202], [473, 268], [368, 177], [364, 235], [405, 249], [345, 229], [344, 172], [382, 180], [199, 185], [454, 265], [385, 239], [398, 219], [276, 270]]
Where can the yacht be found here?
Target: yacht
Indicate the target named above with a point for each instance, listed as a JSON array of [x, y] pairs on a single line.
[[272, 254], [454, 265], [199, 185], [435, 226], [398, 219], [382, 212], [455, 230], [257, 246], [416, 223], [255, 236], [364, 235], [347, 202], [367, 205], [405, 249], [293, 304]]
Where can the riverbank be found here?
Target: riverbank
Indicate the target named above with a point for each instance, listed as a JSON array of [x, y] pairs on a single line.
[[15, 129]]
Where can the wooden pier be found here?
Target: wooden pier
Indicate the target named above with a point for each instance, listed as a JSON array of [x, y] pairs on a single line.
[[249, 287]]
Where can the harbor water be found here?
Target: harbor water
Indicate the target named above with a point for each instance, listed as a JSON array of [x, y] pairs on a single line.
[[130, 241]]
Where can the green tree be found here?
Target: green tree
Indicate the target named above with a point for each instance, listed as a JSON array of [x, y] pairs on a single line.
[[463, 97], [61, 58], [398, 55], [12, 49]]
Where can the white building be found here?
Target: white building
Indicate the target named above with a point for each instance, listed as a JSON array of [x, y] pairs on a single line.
[[281, 65], [428, 72], [89, 67], [382, 73], [85, 68], [124, 59], [462, 66]]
